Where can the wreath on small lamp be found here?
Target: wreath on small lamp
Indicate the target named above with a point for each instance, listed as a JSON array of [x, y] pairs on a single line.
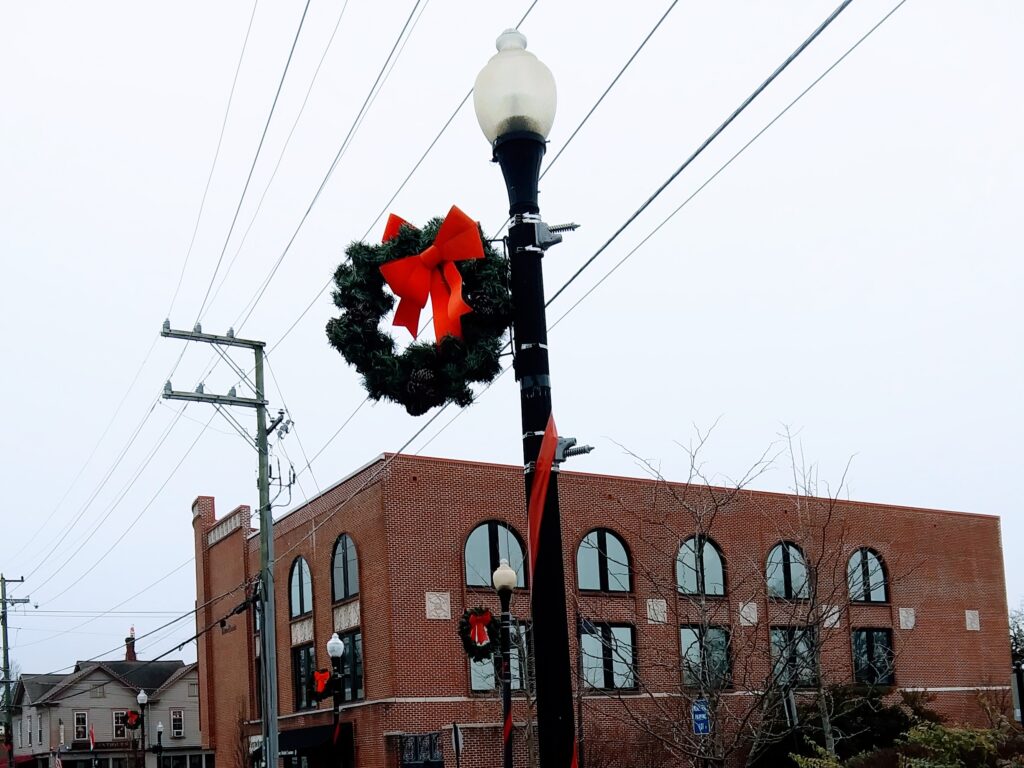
[[471, 303], [478, 630]]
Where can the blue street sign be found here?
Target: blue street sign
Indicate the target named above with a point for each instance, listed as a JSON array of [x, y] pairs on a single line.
[[701, 719]]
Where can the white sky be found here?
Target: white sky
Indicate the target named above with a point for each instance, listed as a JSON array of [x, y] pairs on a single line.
[[855, 274]]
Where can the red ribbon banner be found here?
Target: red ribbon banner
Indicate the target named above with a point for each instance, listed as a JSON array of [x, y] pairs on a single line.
[[433, 273], [539, 489], [478, 627]]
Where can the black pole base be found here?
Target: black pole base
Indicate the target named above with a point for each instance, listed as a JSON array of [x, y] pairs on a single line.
[[519, 154]]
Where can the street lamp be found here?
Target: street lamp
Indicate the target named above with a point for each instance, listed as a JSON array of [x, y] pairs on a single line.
[[158, 750], [504, 580], [336, 650], [514, 97], [1018, 672], [143, 699]]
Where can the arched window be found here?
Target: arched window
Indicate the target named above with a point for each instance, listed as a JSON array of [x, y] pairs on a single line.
[[300, 586], [865, 574], [602, 562], [344, 569], [787, 572], [486, 547], [703, 575]]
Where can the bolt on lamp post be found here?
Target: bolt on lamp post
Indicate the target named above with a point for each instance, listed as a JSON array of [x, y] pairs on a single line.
[[336, 651], [143, 699], [504, 580], [514, 97]]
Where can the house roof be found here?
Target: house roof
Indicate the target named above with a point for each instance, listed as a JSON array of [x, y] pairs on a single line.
[[134, 675], [37, 686]]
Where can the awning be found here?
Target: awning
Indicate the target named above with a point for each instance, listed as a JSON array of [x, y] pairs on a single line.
[[24, 759], [295, 739]]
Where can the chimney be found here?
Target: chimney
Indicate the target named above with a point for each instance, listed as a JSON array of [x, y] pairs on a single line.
[[129, 646]]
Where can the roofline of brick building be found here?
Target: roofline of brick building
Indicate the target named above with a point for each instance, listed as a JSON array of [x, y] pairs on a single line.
[[388, 456]]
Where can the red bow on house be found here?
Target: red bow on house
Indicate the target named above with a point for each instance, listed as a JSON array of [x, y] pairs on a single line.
[[434, 273], [478, 627]]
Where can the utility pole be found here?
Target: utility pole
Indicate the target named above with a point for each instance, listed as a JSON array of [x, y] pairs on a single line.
[[268, 624], [8, 704]]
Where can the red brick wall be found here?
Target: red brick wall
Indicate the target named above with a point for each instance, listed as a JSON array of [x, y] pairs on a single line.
[[410, 518]]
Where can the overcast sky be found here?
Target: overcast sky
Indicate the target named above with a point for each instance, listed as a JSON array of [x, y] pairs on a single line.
[[854, 274]]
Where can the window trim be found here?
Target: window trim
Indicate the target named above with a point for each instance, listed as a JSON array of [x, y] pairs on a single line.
[[304, 610], [352, 692], [604, 583], [124, 723], [301, 700], [178, 733], [891, 681], [702, 540], [787, 571], [702, 630], [85, 725], [494, 553], [606, 654], [791, 645], [347, 594], [865, 575]]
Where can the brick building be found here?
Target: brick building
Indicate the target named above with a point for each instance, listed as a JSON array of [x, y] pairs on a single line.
[[671, 586]]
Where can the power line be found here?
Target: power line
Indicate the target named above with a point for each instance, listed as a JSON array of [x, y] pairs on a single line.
[[252, 167], [138, 517], [280, 157], [213, 165], [243, 318], [706, 143], [681, 206]]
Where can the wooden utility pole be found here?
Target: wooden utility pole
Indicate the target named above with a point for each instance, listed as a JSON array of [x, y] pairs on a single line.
[[268, 624], [8, 704]]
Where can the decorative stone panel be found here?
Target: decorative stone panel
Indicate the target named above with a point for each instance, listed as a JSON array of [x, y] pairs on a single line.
[[346, 616], [830, 616], [657, 611], [223, 528], [972, 620], [439, 605], [908, 618], [302, 631], [748, 614]]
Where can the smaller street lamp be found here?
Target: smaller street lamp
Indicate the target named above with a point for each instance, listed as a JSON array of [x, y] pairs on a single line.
[[158, 750], [143, 699], [504, 580], [336, 650]]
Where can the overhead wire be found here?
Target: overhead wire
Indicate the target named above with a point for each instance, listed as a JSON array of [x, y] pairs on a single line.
[[255, 159], [280, 157], [685, 202]]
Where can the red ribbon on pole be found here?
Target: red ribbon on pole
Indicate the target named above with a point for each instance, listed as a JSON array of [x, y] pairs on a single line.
[[433, 273], [539, 490], [478, 627], [320, 681]]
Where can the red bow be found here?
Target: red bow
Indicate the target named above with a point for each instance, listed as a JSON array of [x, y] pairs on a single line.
[[320, 681], [434, 272], [478, 627]]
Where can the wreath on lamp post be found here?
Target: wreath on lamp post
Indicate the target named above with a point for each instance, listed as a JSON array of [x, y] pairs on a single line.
[[132, 720], [466, 281], [478, 630]]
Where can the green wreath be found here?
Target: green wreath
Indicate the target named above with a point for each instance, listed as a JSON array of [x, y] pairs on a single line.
[[479, 632], [425, 374]]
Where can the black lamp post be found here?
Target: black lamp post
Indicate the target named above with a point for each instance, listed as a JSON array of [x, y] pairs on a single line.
[[143, 699], [504, 580], [158, 750], [336, 651], [514, 98]]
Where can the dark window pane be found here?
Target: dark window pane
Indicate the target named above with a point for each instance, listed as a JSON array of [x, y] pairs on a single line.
[[618, 563], [592, 649], [876, 578], [587, 562], [509, 549], [686, 567], [798, 573], [776, 575], [352, 567], [303, 664], [689, 638], [482, 675], [195, 761], [714, 573], [478, 558], [623, 657], [855, 575]]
